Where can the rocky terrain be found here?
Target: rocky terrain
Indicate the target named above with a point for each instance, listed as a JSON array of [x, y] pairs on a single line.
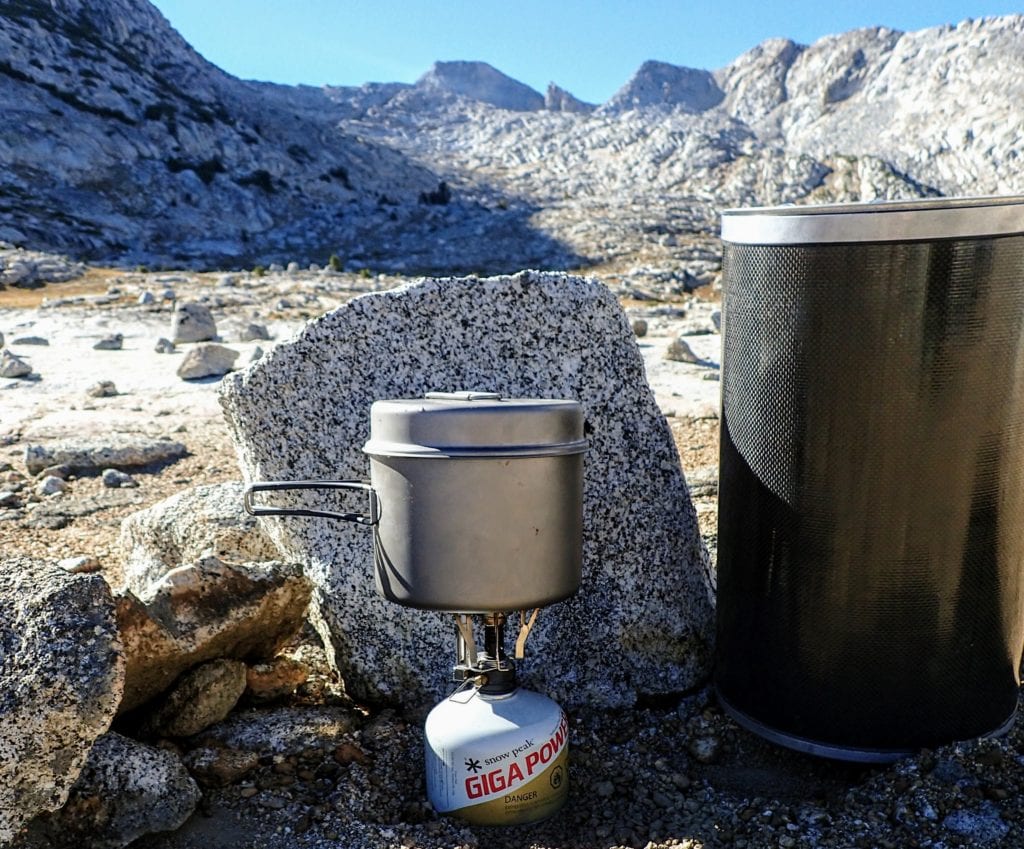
[[124, 144]]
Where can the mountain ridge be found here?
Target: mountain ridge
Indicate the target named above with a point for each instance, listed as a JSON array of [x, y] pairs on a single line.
[[125, 145]]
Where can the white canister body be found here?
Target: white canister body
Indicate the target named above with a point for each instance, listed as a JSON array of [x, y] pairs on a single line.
[[497, 760]]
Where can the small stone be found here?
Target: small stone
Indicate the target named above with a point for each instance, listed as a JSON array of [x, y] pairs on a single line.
[[213, 767], [146, 298], [114, 342], [207, 361], [348, 753], [79, 565], [716, 320], [248, 792], [192, 322], [705, 749], [9, 499], [164, 346], [13, 366], [639, 328], [604, 789], [680, 352], [273, 803], [275, 679], [227, 281], [257, 354], [51, 485], [253, 332], [712, 376], [103, 389], [60, 470], [30, 340], [203, 696], [293, 267], [116, 479], [168, 295]]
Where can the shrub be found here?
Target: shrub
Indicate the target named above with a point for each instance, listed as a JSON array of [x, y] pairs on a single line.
[[334, 263]]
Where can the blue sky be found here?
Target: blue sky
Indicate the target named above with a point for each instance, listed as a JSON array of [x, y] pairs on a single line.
[[589, 48]]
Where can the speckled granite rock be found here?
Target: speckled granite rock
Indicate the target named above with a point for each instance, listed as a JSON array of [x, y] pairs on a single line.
[[115, 452], [192, 322], [205, 610], [127, 789], [61, 676], [180, 528], [641, 622], [203, 696]]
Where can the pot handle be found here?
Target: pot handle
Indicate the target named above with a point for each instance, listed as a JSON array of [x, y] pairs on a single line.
[[371, 518]]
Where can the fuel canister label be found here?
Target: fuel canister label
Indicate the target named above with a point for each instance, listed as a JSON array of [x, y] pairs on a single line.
[[512, 785]]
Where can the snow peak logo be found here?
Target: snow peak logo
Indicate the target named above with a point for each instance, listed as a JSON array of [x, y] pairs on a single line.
[[526, 761]]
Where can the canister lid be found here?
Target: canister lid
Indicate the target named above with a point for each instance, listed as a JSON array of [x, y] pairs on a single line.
[[895, 221], [475, 424]]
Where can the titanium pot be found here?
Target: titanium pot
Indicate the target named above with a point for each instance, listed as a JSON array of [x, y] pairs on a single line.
[[871, 494], [476, 502]]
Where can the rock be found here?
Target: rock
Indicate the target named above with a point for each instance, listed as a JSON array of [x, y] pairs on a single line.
[[60, 471], [276, 678], [639, 328], [192, 322], [293, 268], [61, 678], [681, 352], [127, 789], [9, 498], [204, 695], [256, 354], [202, 611], [227, 281], [253, 332], [51, 485], [13, 366], [114, 342], [182, 528], [168, 294], [214, 766], [31, 340], [716, 320], [285, 731], [80, 564], [115, 478], [103, 389], [116, 452], [1, 340], [207, 361], [146, 298], [164, 346], [642, 622]]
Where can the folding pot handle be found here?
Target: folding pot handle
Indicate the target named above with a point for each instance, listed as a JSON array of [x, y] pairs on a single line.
[[371, 518]]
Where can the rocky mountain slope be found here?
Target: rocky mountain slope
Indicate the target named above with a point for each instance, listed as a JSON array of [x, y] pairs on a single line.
[[122, 143]]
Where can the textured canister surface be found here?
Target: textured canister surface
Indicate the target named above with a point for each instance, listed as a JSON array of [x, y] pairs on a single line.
[[497, 760], [871, 517]]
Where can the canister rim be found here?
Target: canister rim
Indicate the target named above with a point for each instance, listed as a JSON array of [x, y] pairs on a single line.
[[886, 221], [383, 448]]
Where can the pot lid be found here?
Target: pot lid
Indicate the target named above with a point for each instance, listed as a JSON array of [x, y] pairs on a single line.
[[475, 424], [896, 221]]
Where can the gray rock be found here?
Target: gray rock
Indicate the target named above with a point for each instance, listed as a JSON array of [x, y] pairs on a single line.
[[204, 695], [31, 340], [1, 340], [285, 731], [13, 366], [206, 610], [127, 789], [207, 361], [79, 565], [192, 322], [256, 354], [146, 298], [293, 267], [681, 352], [639, 328], [61, 677], [168, 294], [642, 621], [61, 471], [113, 342], [102, 389], [116, 452], [51, 485], [227, 281], [252, 332], [716, 320], [9, 498], [184, 527], [218, 767], [115, 479], [164, 346]]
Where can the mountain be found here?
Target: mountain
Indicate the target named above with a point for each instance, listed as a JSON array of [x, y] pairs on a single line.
[[123, 144]]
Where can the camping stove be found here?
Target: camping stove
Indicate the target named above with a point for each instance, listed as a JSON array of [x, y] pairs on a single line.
[[476, 505]]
